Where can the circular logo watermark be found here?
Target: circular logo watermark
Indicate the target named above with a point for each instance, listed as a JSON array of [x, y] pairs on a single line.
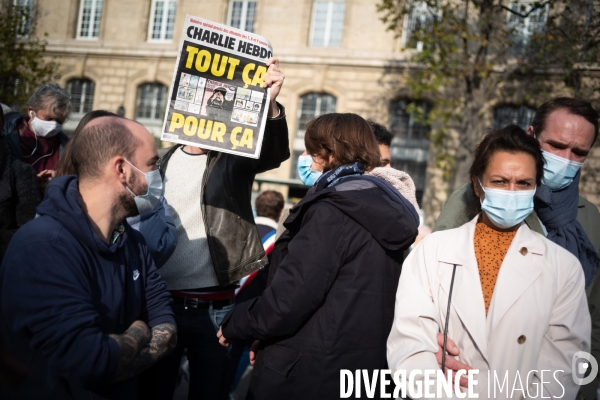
[[580, 364]]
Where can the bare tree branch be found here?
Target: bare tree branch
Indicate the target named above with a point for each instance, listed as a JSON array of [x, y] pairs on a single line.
[[536, 6]]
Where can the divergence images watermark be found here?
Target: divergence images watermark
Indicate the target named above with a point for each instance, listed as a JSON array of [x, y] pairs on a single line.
[[431, 384]]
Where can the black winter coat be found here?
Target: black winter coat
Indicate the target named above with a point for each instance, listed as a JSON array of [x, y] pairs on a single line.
[[19, 195], [330, 302]]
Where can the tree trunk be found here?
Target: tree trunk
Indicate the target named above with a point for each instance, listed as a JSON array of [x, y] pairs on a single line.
[[473, 129]]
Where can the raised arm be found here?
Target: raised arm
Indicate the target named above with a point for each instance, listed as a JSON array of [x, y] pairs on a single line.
[[276, 144], [273, 79]]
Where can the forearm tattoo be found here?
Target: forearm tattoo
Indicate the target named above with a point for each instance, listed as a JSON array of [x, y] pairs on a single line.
[[130, 343], [132, 362]]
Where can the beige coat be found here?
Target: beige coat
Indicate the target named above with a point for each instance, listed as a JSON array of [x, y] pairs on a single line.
[[537, 319]]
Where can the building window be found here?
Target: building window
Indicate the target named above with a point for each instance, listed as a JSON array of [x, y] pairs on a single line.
[[150, 106], [242, 15], [327, 23], [505, 115], [162, 20], [521, 30], [409, 148], [419, 17], [151, 102], [90, 12], [82, 95], [25, 7], [311, 105]]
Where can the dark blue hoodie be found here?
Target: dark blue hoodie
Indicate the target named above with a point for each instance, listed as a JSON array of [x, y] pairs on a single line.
[[63, 291]]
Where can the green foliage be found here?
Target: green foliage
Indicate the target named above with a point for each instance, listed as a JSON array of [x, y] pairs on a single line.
[[23, 67], [475, 51]]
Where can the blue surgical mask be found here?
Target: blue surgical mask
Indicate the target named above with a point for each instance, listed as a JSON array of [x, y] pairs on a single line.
[[307, 175], [507, 208], [147, 201], [559, 172]]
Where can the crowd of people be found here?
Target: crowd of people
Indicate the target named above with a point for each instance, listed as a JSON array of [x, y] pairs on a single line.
[[119, 260]]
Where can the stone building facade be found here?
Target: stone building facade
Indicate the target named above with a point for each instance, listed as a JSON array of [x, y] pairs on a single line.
[[119, 55]]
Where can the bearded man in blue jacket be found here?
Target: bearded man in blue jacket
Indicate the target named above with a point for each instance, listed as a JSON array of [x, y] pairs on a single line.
[[83, 309]]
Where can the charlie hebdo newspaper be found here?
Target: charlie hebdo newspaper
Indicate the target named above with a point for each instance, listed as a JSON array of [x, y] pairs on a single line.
[[216, 100]]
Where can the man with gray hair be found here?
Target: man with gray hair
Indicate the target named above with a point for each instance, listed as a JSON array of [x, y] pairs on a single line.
[[36, 138], [83, 308]]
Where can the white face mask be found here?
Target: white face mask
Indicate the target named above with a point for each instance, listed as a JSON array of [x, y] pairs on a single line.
[[147, 201], [43, 128]]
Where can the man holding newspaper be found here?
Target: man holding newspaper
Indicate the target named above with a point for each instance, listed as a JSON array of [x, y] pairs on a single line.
[[217, 244], [228, 128]]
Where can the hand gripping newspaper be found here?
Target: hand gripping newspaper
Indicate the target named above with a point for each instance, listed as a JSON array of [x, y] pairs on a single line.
[[217, 101]]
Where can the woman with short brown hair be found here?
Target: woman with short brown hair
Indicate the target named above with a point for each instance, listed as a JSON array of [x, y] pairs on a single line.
[[330, 300], [342, 139], [513, 301]]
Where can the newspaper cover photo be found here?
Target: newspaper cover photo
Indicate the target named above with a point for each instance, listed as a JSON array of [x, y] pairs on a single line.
[[216, 100]]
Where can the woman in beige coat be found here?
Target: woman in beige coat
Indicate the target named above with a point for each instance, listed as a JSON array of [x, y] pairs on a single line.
[[518, 310]]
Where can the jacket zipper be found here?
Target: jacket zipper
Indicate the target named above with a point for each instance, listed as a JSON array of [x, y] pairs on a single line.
[[254, 260]]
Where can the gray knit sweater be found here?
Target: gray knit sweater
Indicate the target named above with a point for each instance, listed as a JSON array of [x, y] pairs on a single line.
[[190, 266]]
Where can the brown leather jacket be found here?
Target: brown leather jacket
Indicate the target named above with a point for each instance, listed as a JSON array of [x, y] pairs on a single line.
[[235, 246]]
